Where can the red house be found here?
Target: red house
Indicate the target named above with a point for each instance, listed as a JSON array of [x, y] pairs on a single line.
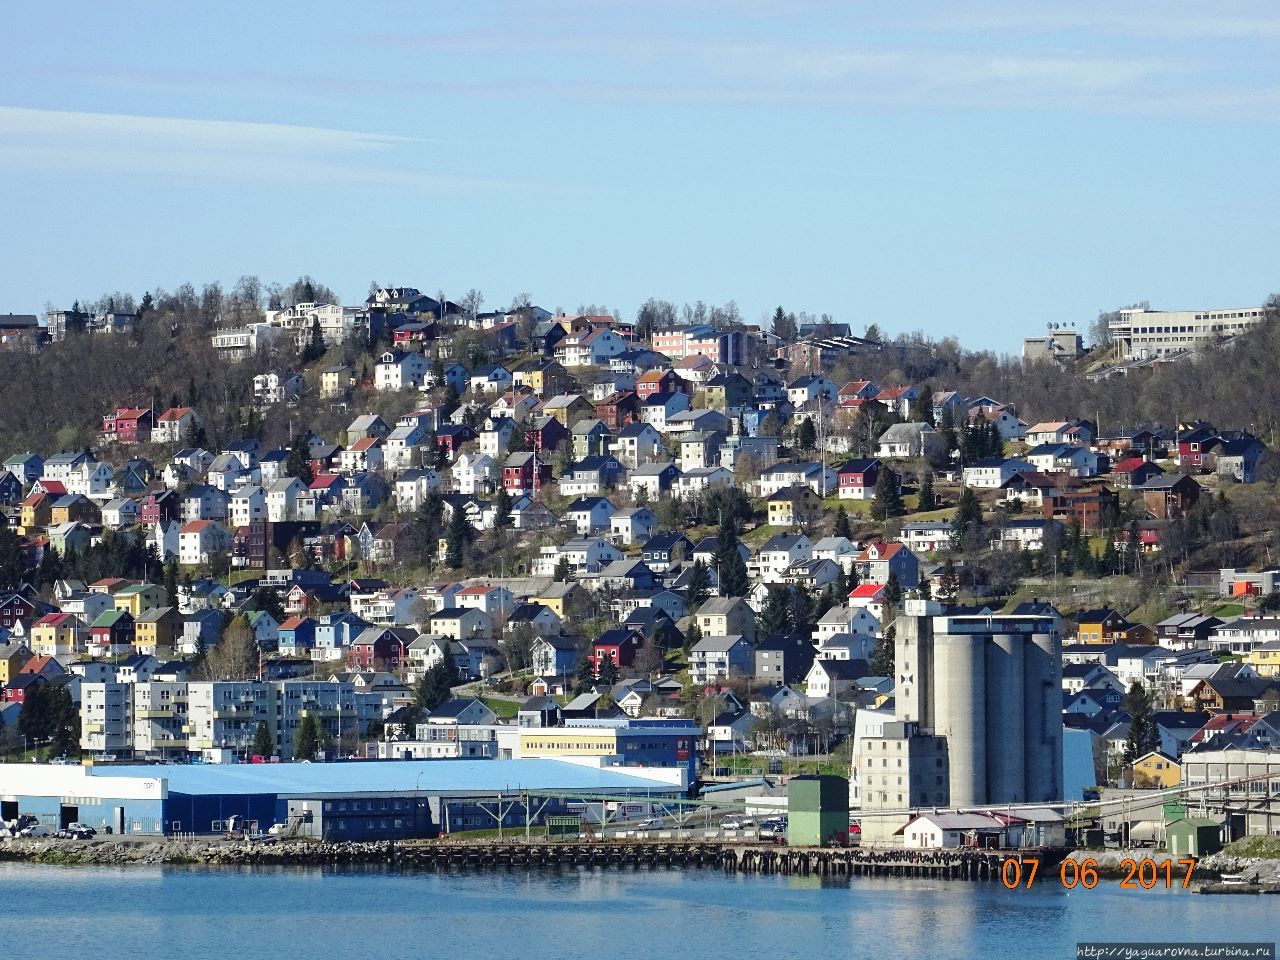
[[13, 608], [1194, 446], [620, 646], [128, 425], [163, 506], [381, 648], [857, 479], [660, 381], [618, 409], [518, 473], [113, 631], [546, 433], [452, 437], [1135, 471]]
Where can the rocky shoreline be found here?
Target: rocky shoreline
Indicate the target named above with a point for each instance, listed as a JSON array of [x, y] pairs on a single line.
[[208, 852]]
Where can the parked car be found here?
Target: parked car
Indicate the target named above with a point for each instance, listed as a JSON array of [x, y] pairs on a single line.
[[652, 823], [773, 828], [35, 830], [78, 827], [735, 822]]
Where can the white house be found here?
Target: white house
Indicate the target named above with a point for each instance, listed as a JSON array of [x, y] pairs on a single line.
[[247, 505], [198, 540], [993, 472], [282, 499], [590, 514], [400, 371]]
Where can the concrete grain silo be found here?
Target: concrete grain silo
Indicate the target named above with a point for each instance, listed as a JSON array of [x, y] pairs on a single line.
[[959, 710], [1042, 710], [1006, 712]]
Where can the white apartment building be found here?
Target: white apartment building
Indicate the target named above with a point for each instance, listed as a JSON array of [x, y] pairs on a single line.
[[1141, 333], [216, 719], [337, 323]]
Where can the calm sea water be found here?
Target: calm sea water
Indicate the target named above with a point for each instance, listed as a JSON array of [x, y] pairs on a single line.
[[140, 912]]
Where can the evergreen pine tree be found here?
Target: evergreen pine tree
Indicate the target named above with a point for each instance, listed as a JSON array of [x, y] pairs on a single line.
[[607, 673], [262, 743], [842, 527], [699, 584], [460, 534], [305, 742], [171, 582], [892, 591], [584, 677], [502, 509], [807, 435], [926, 498], [948, 583], [968, 519], [883, 656], [1143, 735], [776, 616], [299, 462], [731, 569], [888, 502]]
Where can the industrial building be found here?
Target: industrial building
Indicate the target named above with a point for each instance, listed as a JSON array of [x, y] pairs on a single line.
[[653, 743], [977, 717], [357, 800]]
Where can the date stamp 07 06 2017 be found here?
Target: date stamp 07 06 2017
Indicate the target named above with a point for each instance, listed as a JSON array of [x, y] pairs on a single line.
[[1021, 873]]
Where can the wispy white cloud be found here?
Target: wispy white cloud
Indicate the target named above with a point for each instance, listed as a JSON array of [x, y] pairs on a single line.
[[34, 140]]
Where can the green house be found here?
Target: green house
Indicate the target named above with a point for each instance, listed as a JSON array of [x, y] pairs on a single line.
[[817, 811]]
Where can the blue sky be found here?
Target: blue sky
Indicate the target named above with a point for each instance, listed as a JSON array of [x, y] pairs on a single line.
[[975, 172]]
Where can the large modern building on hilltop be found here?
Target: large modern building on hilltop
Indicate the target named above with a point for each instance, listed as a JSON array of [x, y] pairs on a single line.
[[1142, 334]]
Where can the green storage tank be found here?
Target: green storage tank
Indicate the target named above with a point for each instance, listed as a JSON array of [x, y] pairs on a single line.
[[817, 811]]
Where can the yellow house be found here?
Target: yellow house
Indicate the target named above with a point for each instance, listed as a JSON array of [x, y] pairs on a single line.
[[334, 381], [156, 631], [1107, 626], [57, 635], [37, 510], [12, 657], [726, 617], [1265, 659], [793, 507], [563, 599], [1156, 770], [139, 598]]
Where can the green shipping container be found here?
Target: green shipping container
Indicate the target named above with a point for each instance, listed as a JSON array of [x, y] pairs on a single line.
[[817, 811]]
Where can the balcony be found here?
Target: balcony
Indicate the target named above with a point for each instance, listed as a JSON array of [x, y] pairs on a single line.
[[235, 712]]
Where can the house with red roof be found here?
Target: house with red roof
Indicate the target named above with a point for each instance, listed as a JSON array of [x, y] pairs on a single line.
[[498, 602], [898, 400], [659, 381], [1134, 472], [869, 597], [328, 488], [363, 455], [878, 559], [175, 425]]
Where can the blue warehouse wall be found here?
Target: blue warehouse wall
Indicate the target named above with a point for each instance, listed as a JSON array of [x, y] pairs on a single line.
[[137, 816], [197, 813]]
